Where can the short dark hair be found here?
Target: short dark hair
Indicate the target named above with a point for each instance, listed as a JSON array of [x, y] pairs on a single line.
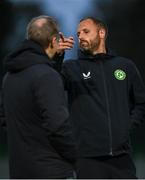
[[43, 33], [98, 23]]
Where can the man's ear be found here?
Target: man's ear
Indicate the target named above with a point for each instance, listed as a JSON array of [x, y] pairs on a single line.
[[53, 41], [102, 33]]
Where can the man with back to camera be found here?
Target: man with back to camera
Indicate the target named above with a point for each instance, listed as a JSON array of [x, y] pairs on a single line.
[[40, 138], [106, 98]]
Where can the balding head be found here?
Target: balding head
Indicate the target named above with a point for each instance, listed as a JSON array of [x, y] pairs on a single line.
[[40, 22], [42, 29]]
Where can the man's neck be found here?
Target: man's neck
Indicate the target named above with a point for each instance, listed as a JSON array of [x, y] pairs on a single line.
[[49, 53], [100, 49]]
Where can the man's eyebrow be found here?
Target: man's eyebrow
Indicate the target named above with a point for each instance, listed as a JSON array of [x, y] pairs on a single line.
[[84, 29]]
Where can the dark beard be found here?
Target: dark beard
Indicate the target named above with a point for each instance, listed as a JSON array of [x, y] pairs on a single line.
[[94, 46], [87, 52]]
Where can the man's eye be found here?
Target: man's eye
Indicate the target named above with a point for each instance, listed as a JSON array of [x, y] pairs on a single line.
[[78, 34], [86, 31]]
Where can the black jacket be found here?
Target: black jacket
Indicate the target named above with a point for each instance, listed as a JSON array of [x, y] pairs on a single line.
[[39, 133], [106, 99]]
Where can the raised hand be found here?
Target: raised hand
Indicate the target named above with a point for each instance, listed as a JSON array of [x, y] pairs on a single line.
[[65, 43]]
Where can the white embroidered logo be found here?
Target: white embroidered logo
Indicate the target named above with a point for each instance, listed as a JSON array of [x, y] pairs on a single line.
[[87, 76]]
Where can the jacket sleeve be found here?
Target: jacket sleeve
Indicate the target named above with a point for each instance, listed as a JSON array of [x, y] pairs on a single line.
[[65, 75], [137, 96], [50, 98], [57, 62]]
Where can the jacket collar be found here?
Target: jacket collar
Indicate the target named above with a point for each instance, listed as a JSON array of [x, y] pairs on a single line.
[[27, 54], [82, 55]]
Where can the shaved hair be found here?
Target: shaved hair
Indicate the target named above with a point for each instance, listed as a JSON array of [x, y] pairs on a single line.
[[42, 29]]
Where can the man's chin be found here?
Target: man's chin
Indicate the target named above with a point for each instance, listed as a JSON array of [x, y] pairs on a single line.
[[86, 50]]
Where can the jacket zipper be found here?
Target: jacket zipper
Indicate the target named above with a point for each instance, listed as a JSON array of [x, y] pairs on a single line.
[[108, 111]]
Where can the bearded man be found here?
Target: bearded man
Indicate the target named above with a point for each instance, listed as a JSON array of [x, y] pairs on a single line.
[[106, 99]]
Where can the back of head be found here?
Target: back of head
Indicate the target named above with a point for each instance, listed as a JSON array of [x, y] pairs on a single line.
[[42, 29]]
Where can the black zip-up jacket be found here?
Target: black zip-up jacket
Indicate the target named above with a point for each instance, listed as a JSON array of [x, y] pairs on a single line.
[[39, 133], [106, 99]]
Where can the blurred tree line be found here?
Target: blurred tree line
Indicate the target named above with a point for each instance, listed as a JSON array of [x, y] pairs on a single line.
[[126, 24]]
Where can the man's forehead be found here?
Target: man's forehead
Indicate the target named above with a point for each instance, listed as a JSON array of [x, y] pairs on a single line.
[[87, 23]]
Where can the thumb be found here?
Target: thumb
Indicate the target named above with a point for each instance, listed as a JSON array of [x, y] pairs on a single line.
[[61, 36]]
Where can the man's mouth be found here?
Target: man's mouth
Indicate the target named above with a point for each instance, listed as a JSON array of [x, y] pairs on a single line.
[[83, 43]]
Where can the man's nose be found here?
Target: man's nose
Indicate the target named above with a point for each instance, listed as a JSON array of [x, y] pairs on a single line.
[[81, 37]]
